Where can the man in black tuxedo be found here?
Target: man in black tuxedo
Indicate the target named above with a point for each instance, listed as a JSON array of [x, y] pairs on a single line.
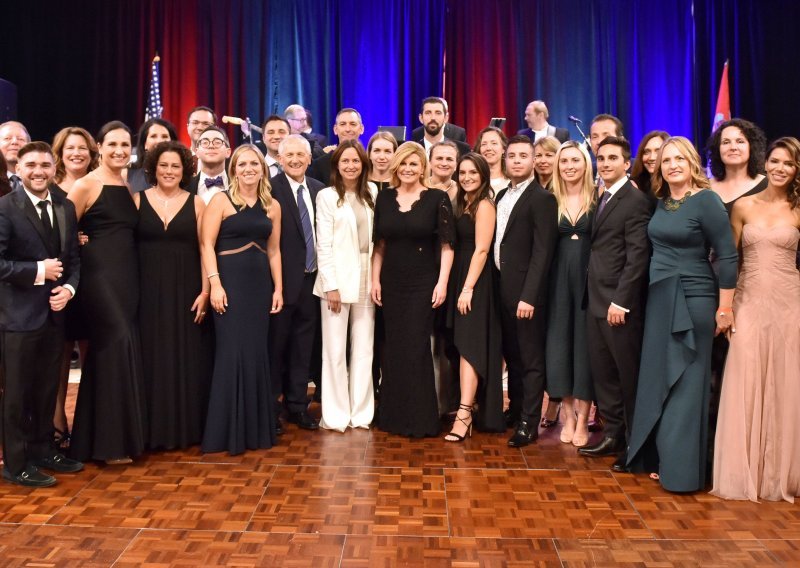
[[292, 330], [213, 151], [525, 241], [348, 126], [434, 117], [39, 272], [616, 287], [536, 115]]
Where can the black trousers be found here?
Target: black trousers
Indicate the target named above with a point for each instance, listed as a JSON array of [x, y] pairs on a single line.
[[614, 354], [291, 347], [31, 369], [523, 349]]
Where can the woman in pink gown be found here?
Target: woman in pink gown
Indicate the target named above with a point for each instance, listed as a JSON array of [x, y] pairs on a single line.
[[758, 430]]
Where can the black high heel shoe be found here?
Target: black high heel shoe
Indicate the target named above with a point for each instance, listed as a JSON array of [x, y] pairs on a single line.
[[457, 438], [61, 438], [546, 422]]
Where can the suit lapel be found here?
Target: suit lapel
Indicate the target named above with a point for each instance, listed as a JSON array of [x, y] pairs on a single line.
[[610, 206], [292, 202], [30, 212], [58, 211]]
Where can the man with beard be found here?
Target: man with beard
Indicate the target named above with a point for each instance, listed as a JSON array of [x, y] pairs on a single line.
[[434, 117]]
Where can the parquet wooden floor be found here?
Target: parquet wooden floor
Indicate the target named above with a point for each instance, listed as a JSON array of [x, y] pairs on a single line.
[[368, 499]]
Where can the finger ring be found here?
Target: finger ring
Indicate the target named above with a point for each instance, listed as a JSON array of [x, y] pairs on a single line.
[[202, 313]]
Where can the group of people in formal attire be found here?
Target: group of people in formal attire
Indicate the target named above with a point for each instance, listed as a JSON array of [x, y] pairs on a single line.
[[405, 279]]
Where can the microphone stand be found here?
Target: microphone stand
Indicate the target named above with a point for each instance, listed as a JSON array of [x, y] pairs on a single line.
[[583, 135]]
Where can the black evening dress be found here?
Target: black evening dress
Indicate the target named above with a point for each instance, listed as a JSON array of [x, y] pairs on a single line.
[[476, 334], [567, 355], [110, 414], [408, 404], [176, 352], [241, 407]]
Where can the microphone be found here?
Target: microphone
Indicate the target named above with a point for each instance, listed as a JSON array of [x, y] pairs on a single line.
[[574, 119], [243, 122], [238, 121]]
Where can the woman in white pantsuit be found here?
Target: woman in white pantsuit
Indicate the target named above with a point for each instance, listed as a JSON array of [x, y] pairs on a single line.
[[345, 213]]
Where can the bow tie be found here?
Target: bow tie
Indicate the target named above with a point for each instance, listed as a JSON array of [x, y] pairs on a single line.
[[211, 182]]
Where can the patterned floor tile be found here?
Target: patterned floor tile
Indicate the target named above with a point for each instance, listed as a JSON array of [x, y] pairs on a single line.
[[169, 495], [53, 546], [703, 516], [354, 500], [539, 504], [434, 552], [189, 549], [785, 551], [550, 453], [689, 553]]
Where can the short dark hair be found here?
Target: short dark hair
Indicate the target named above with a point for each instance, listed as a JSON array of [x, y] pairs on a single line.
[[109, 127], [35, 146], [152, 157], [433, 100], [617, 122], [621, 142], [273, 118], [755, 137], [520, 139], [141, 137], [215, 128], [201, 107]]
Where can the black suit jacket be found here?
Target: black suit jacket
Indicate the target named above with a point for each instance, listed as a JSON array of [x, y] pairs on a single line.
[[293, 241], [528, 247], [23, 306], [320, 169], [562, 134], [620, 255], [451, 132]]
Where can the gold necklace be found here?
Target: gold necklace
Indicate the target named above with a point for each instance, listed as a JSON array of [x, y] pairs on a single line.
[[671, 204]]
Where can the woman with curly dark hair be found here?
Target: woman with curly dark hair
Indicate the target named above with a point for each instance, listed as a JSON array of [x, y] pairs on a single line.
[[176, 339], [736, 153], [152, 132], [757, 448]]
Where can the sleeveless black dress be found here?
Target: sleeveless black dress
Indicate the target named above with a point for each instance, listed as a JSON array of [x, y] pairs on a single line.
[[176, 352], [110, 415], [241, 406], [477, 334]]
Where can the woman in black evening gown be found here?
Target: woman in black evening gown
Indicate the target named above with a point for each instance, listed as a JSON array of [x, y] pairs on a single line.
[[240, 243], [151, 132], [472, 310], [413, 224], [110, 416], [176, 339]]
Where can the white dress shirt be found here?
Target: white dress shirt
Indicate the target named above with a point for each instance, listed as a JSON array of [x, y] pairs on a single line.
[[504, 208], [206, 193], [39, 280]]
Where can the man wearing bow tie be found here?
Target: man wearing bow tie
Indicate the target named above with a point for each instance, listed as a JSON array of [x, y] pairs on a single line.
[[13, 136], [213, 149]]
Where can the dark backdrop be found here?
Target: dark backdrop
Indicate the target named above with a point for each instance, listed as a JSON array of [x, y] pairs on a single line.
[[655, 64]]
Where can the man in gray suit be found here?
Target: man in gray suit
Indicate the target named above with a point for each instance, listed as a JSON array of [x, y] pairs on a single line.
[[536, 115]]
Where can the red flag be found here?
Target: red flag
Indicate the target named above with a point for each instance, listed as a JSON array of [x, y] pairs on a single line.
[[723, 111]]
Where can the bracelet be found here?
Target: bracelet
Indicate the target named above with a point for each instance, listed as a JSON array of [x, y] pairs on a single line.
[[210, 276]]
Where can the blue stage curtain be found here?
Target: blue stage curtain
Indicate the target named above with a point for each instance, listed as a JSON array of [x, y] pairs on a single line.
[[631, 59], [380, 57]]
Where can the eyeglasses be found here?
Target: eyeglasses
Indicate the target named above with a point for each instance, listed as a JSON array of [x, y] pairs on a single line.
[[202, 123], [301, 119], [210, 143]]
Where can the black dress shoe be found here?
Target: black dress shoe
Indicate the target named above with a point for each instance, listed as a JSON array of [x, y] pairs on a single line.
[[278, 427], [30, 477], [303, 420], [524, 434], [608, 446], [511, 418], [619, 465], [60, 463]]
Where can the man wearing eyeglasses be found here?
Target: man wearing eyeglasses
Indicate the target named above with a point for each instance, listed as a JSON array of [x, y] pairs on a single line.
[[200, 118], [297, 117], [213, 149]]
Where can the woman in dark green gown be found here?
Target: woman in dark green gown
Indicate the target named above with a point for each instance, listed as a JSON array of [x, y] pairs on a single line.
[[670, 422]]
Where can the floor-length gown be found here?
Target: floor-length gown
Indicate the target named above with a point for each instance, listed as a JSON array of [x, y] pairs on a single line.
[[477, 333], [758, 430], [176, 352], [110, 414], [567, 355], [241, 406], [413, 239]]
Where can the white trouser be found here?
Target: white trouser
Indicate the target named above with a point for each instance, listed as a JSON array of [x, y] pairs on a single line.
[[347, 396]]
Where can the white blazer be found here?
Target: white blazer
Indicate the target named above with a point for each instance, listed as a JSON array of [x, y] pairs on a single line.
[[338, 251]]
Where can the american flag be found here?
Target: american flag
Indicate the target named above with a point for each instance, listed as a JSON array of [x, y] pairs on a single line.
[[154, 108]]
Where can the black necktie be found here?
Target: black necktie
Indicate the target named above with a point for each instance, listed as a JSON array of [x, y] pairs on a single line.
[[16, 183], [49, 231], [603, 200]]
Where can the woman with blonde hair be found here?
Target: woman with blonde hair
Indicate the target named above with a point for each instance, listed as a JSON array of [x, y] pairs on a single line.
[[381, 148], [413, 254], [686, 307], [491, 144], [544, 160], [443, 159], [240, 248], [345, 214], [567, 357]]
